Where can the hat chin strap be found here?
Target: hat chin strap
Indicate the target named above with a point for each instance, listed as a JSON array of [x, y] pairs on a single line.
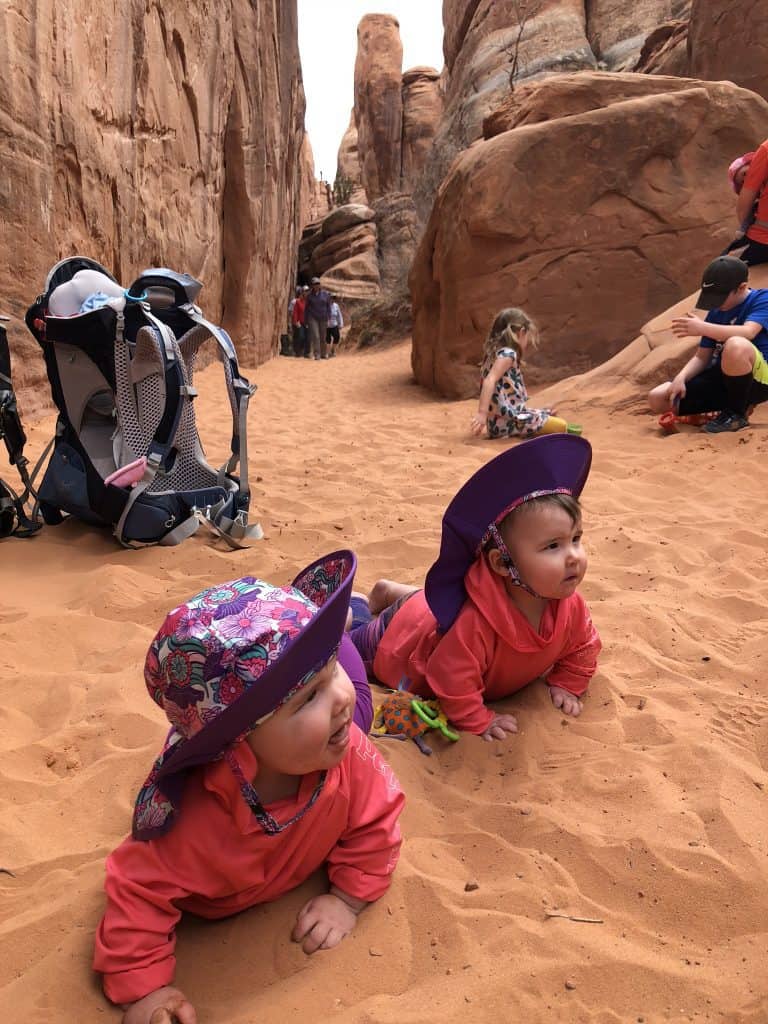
[[509, 564]]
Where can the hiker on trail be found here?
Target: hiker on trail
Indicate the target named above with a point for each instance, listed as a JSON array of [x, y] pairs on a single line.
[[317, 314], [298, 329], [335, 323]]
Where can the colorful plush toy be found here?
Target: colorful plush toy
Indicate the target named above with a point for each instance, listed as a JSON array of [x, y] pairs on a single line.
[[401, 716]]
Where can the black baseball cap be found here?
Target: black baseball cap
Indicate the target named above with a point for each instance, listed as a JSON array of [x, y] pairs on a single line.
[[719, 280]]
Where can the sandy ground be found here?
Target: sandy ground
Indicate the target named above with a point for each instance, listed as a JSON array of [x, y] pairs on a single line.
[[647, 815]]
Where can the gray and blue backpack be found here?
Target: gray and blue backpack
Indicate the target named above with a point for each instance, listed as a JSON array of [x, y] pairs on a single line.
[[121, 364]]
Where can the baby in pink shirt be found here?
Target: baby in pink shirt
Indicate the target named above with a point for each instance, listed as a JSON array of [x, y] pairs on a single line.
[[500, 605], [277, 781]]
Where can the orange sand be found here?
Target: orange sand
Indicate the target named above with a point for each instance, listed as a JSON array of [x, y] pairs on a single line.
[[648, 813]]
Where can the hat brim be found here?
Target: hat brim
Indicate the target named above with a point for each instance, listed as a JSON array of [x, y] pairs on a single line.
[[328, 583], [543, 465], [711, 300]]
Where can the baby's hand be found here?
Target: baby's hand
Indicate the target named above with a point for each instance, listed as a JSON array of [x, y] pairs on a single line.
[[166, 1005], [323, 922], [499, 727], [566, 701]]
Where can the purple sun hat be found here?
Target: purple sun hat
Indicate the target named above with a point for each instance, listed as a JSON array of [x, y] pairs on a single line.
[[226, 659], [550, 464]]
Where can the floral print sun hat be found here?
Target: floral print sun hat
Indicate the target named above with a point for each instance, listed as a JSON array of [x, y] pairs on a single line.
[[224, 661]]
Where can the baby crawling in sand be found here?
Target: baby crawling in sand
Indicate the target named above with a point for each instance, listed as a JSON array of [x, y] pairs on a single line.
[[500, 606]]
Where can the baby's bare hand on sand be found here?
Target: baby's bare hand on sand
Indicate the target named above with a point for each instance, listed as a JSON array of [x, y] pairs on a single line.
[[165, 1005], [565, 701], [499, 727], [323, 922]]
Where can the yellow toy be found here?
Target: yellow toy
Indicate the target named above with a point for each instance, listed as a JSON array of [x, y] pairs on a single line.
[[402, 716]]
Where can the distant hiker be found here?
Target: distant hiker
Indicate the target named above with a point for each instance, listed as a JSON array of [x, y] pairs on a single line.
[[298, 313], [753, 193], [728, 372], [335, 323], [318, 312], [502, 409]]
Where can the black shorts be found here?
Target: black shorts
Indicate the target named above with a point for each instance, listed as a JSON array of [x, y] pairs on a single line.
[[755, 253], [706, 393], [332, 334]]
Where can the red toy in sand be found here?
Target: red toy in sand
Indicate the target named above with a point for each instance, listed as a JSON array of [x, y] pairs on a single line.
[[669, 421]]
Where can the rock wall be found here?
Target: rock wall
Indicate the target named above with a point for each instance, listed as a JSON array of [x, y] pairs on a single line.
[[587, 220], [151, 133], [730, 41]]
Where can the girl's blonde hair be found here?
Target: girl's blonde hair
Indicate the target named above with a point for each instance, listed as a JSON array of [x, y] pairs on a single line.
[[505, 329]]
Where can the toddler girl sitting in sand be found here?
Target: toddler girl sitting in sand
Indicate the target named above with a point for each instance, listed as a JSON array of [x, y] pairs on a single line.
[[502, 410], [277, 780], [500, 606]]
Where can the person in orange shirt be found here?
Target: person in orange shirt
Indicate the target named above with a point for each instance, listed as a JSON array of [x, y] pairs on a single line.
[[276, 777], [500, 606], [752, 206]]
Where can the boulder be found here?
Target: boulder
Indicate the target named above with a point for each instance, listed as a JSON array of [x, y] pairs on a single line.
[[359, 239], [344, 217], [731, 43], [378, 103], [354, 278], [398, 236], [151, 135], [422, 110], [587, 221], [566, 95]]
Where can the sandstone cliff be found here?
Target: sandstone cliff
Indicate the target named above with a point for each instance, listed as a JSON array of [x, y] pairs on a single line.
[[151, 134]]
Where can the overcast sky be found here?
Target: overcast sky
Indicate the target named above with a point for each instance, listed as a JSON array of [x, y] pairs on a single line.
[[328, 44]]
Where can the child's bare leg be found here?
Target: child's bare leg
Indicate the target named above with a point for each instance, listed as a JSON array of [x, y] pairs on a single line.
[[386, 592], [658, 398]]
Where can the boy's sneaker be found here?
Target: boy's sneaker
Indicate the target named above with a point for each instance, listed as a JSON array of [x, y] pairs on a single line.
[[725, 422]]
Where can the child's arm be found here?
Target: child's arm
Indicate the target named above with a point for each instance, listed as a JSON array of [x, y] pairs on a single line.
[[496, 372], [361, 863], [136, 938], [455, 675], [570, 677], [166, 1005]]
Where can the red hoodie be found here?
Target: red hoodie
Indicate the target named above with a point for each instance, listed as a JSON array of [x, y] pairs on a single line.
[[489, 652]]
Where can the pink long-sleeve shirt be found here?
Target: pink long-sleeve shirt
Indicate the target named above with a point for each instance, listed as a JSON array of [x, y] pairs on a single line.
[[217, 860], [490, 651]]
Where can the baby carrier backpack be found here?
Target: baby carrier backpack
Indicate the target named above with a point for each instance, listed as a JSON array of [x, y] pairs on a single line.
[[13, 517], [121, 365]]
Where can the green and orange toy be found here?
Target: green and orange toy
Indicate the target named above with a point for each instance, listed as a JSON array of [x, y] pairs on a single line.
[[401, 716]]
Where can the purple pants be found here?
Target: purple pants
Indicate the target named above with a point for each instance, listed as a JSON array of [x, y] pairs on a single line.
[[353, 665]]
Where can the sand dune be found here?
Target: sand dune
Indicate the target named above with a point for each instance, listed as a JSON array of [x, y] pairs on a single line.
[[648, 814]]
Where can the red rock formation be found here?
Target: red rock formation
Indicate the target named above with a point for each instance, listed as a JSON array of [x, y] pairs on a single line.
[[378, 103], [316, 196], [560, 217], [422, 110], [617, 30], [665, 51], [151, 134], [348, 165], [730, 41]]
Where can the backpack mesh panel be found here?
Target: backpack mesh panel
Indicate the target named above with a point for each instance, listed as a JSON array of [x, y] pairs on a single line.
[[141, 404]]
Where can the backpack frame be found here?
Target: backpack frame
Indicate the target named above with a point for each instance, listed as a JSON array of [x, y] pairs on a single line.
[[121, 376]]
